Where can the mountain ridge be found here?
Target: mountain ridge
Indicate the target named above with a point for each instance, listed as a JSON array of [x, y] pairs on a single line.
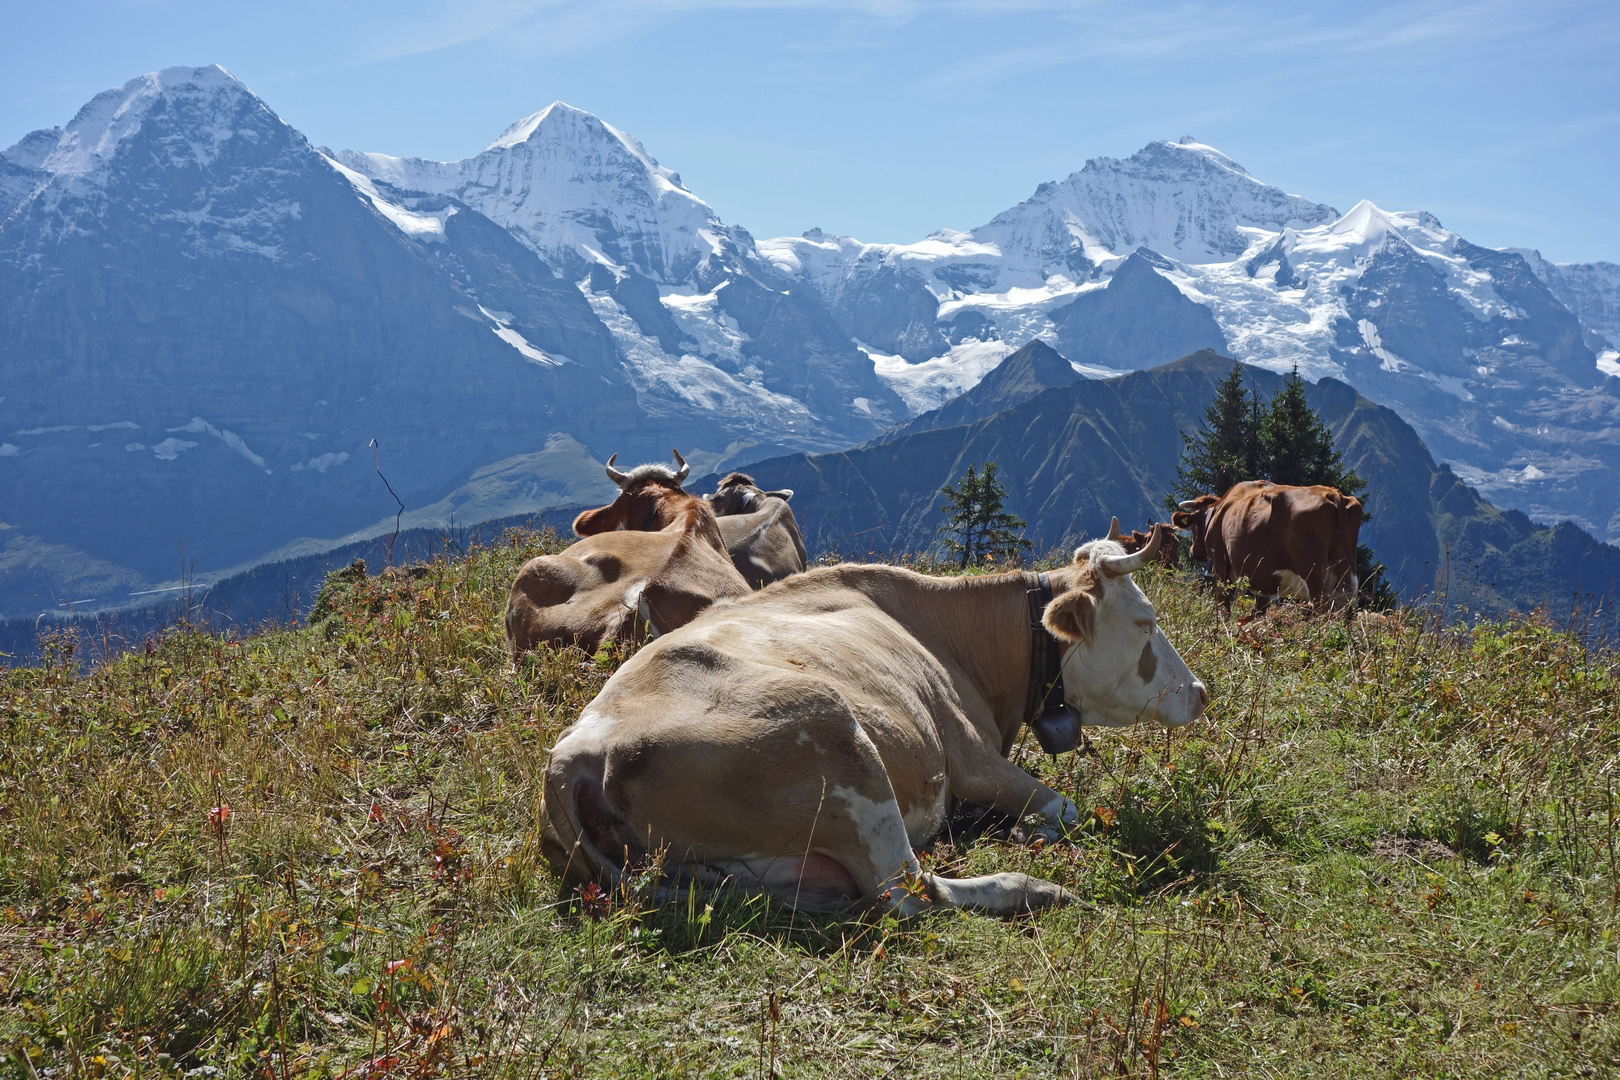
[[206, 321], [1073, 456]]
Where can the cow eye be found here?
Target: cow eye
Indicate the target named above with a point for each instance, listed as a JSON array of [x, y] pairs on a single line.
[[1147, 624]]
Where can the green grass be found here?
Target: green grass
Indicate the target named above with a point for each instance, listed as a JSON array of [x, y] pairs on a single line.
[[1387, 851]]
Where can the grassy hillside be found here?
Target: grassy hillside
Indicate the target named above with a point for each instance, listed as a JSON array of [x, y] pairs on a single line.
[[1071, 456], [1386, 851]]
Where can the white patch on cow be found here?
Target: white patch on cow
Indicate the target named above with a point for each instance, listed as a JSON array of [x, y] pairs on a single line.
[[923, 821], [806, 739], [1291, 586], [882, 831], [635, 600], [591, 727]]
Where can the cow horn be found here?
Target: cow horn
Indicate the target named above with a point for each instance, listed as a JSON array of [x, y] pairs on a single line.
[[1119, 565], [1189, 504], [614, 474], [1113, 528], [686, 469]]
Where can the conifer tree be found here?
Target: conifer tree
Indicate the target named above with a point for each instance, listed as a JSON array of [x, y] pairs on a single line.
[[976, 521], [1226, 449], [1297, 448]]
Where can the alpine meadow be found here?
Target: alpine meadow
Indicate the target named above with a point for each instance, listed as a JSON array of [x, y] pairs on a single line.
[[962, 580], [1388, 849]]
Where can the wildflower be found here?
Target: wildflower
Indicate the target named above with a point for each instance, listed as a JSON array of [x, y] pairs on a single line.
[[593, 899]]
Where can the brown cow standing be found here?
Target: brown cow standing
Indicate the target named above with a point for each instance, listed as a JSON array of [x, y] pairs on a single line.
[[651, 561], [759, 529], [1297, 542]]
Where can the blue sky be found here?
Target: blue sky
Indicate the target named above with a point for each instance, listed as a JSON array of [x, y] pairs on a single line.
[[887, 119]]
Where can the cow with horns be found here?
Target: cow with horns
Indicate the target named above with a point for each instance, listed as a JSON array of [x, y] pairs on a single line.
[[805, 740], [650, 562], [1294, 542]]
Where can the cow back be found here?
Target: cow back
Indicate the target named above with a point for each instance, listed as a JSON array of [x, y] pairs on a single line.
[[764, 545]]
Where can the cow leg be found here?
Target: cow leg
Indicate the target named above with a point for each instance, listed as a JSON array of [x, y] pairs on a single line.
[[833, 836], [991, 780], [907, 889]]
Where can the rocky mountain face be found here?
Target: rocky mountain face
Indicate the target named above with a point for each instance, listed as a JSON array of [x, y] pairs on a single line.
[[1074, 455], [205, 322], [1592, 292], [700, 320], [1500, 360]]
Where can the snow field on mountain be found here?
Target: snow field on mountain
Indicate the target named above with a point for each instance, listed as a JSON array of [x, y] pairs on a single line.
[[560, 181], [931, 383], [717, 335], [656, 373]]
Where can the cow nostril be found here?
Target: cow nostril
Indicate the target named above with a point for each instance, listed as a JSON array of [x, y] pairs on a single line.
[[1203, 698]]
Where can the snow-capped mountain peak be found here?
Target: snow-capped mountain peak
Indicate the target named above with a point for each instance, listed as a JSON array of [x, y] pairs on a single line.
[[1188, 143], [197, 134], [1186, 200], [576, 190], [107, 122]]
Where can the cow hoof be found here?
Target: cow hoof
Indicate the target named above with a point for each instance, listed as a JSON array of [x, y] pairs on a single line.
[[1039, 894]]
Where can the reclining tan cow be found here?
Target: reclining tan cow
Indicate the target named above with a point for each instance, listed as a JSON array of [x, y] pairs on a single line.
[[805, 740], [759, 530], [651, 561], [1294, 542]]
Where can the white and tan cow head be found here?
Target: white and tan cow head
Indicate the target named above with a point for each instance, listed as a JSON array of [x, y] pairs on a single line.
[[1119, 668]]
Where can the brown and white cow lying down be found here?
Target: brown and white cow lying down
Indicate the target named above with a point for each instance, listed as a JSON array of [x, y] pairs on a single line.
[[759, 530], [650, 562], [1295, 542], [803, 741]]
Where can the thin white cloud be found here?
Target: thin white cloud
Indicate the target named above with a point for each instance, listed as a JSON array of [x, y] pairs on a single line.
[[1205, 32], [570, 25], [1080, 30]]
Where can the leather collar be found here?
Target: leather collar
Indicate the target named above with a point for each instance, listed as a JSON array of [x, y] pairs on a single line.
[[1045, 654]]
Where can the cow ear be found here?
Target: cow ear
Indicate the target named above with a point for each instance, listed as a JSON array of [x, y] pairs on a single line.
[[785, 494], [591, 522], [1181, 519], [1072, 616]]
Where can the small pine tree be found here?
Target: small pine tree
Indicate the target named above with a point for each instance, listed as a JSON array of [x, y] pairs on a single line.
[[976, 523], [1226, 449], [1297, 448]]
